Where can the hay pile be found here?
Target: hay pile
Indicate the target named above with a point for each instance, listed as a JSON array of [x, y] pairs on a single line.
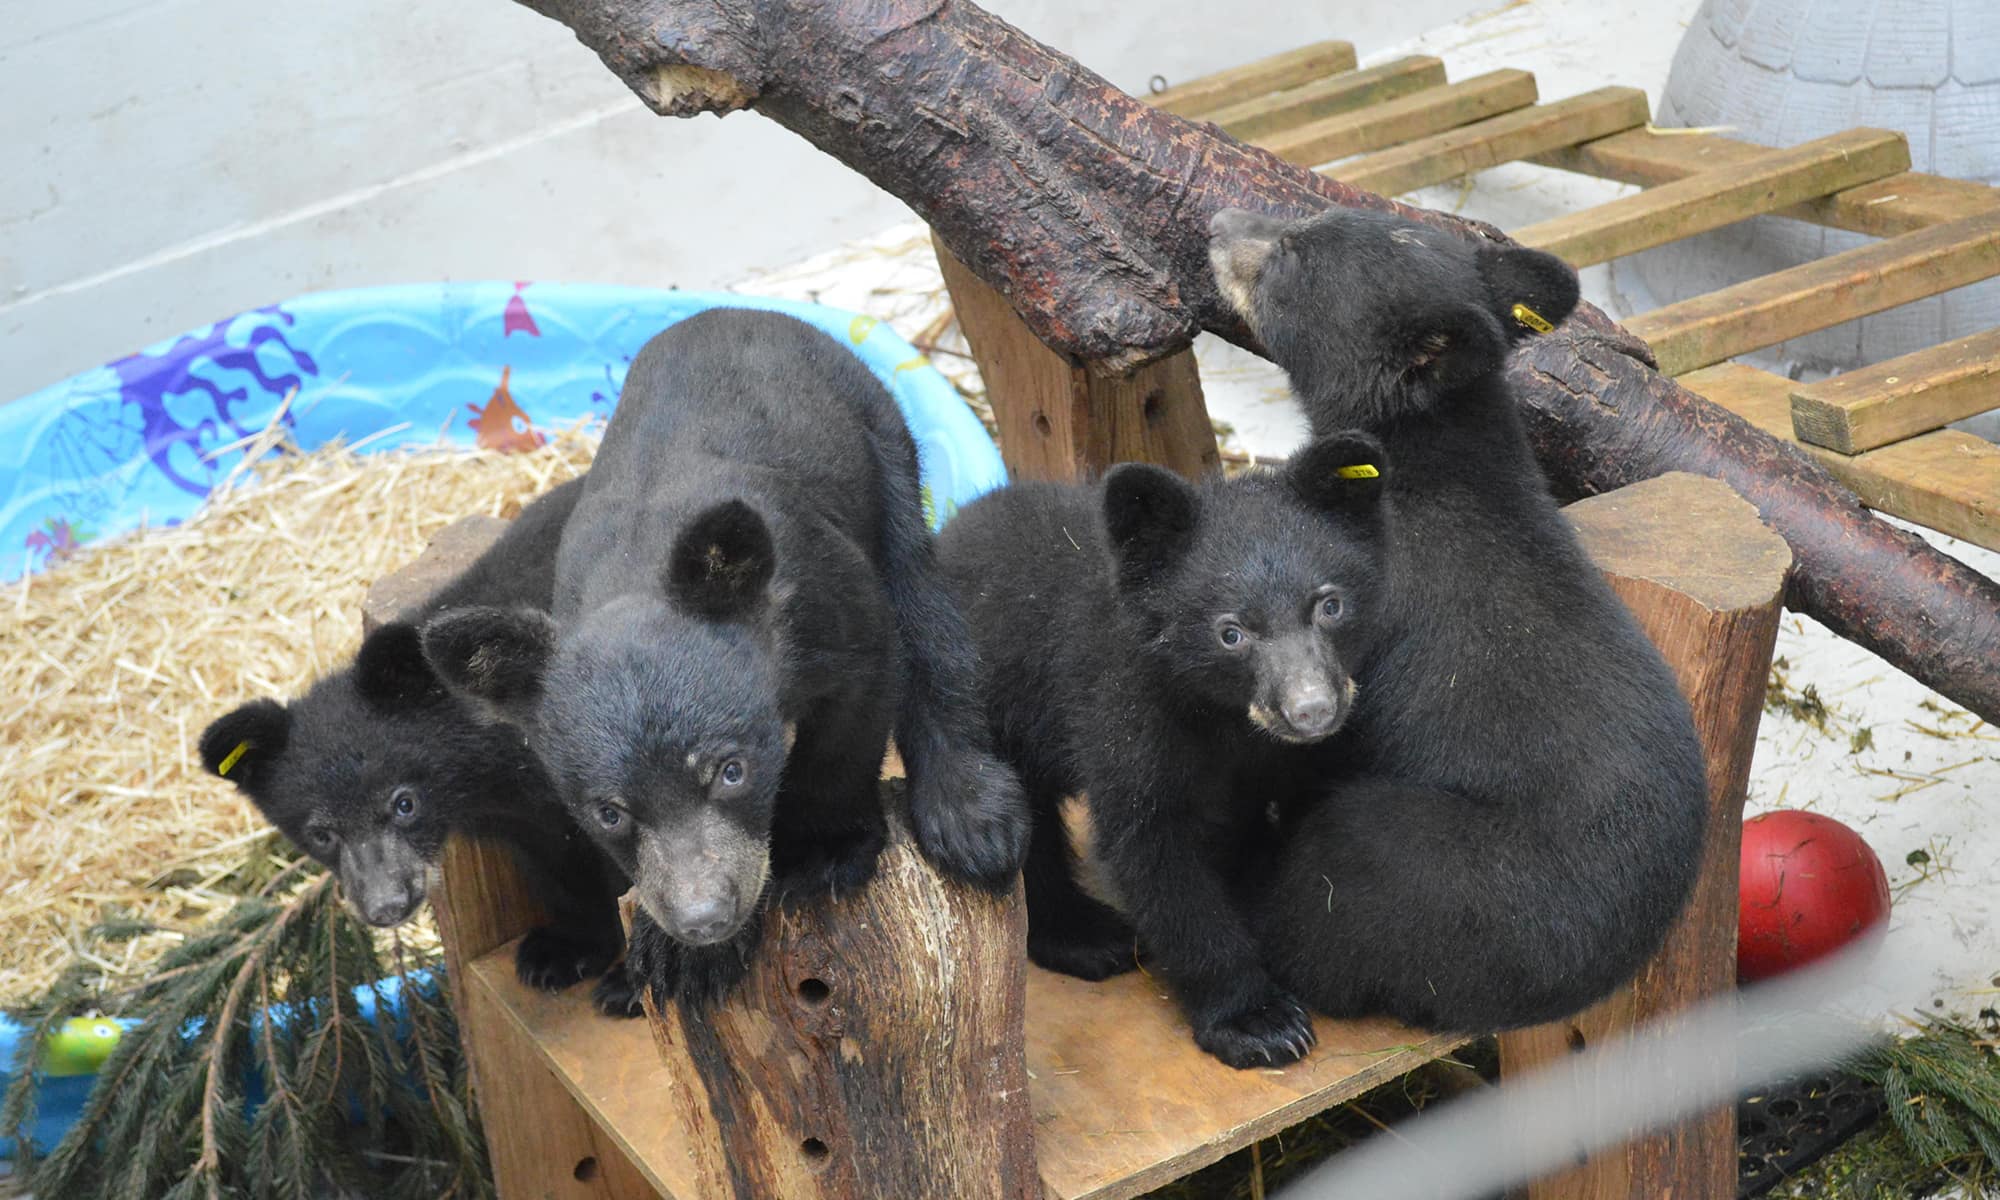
[[114, 661]]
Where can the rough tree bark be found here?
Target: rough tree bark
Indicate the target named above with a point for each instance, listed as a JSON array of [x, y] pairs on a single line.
[[1089, 211]]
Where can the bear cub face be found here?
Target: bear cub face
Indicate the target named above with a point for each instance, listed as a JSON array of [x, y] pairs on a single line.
[[1417, 313], [365, 770], [657, 717], [1267, 621]]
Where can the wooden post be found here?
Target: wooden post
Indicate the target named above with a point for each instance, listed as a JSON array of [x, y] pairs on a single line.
[[1705, 578], [1067, 420], [876, 1051], [542, 1144]]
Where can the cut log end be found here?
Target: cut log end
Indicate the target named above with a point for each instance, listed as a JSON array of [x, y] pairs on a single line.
[[683, 91]]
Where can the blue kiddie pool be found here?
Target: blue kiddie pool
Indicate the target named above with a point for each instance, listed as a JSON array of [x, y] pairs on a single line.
[[141, 441]]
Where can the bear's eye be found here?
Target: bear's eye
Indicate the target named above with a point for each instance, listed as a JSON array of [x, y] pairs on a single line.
[[403, 801], [321, 839], [1230, 634], [732, 773], [610, 815], [1331, 607]]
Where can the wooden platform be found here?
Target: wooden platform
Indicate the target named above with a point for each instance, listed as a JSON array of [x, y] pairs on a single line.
[[1405, 124], [1123, 1099]]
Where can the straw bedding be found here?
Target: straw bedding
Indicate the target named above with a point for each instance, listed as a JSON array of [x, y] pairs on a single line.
[[113, 661]]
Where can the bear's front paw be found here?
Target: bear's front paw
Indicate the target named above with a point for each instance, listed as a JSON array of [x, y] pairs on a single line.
[[617, 994], [1270, 1031], [971, 819], [819, 864], [551, 959], [694, 978]]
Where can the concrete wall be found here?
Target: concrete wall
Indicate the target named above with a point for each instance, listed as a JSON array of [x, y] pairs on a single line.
[[170, 162]]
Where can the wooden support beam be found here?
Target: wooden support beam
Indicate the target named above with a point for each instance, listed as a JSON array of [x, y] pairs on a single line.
[[1760, 312], [1266, 75], [1894, 205], [1264, 116], [875, 1050], [1911, 394], [1067, 420], [1709, 200], [1706, 580], [1433, 110], [547, 1145], [1507, 138], [1947, 480]]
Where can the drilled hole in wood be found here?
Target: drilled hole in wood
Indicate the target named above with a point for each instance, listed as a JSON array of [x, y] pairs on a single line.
[[816, 1153], [1154, 406], [1042, 425], [586, 1170], [814, 991], [1575, 1040]]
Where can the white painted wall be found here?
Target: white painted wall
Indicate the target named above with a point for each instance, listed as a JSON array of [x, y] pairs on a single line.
[[164, 163]]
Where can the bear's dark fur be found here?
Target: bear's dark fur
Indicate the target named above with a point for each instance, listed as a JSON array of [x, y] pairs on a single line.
[[376, 763], [1173, 651], [1518, 804], [743, 597]]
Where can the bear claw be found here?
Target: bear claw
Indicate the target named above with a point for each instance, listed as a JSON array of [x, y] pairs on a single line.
[[1271, 1032], [551, 960]]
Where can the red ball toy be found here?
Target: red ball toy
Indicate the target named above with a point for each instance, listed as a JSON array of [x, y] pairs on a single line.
[[1810, 885]]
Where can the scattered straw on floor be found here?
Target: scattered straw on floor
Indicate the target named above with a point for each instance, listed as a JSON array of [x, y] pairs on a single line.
[[113, 662]]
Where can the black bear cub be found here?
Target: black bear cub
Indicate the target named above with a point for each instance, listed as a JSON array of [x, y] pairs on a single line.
[[373, 767], [746, 603], [1174, 651], [1515, 813]]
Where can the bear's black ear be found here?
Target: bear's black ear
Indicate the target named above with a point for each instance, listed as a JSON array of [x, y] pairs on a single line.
[[1149, 514], [494, 654], [1340, 473], [243, 745], [1531, 291], [722, 562], [1450, 344], [390, 670]]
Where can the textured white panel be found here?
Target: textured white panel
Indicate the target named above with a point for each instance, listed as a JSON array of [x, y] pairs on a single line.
[[1920, 323], [1726, 18], [1751, 98], [1835, 42], [1975, 41], [1909, 44], [1771, 32], [1967, 131]]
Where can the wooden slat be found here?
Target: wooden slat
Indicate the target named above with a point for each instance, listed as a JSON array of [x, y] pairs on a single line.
[[1427, 112], [1771, 181], [1492, 142], [1897, 204], [1947, 480], [1892, 400], [1263, 116], [1767, 310], [1124, 1101], [1259, 78]]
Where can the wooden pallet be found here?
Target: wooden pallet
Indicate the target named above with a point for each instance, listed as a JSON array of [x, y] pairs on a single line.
[[1402, 125]]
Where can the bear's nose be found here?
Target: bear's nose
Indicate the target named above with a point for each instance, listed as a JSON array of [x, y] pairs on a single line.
[[1309, 714], [704, 921], [389, 907]]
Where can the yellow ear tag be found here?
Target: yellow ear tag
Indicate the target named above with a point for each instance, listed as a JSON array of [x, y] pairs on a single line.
[[1532, 319], [230, 760], [1358, 471]]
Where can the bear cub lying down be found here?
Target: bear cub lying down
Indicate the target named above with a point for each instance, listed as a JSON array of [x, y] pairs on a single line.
[[1514, 814], [1174, 651], [746, 603], [377, 763]]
